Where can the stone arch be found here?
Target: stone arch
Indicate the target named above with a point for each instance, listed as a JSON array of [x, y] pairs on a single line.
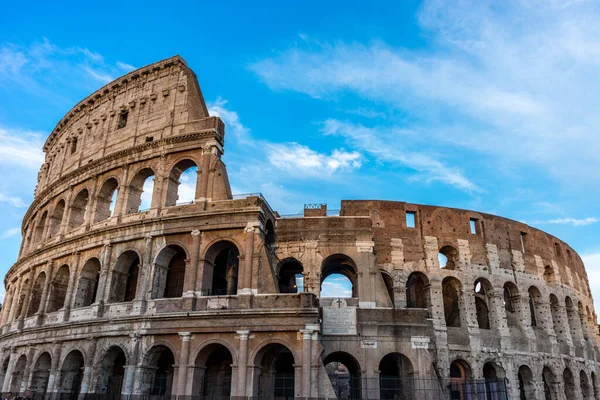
[[290, 277], [17, 383], [87, 285], [276, 372], [125, 277], [41, 374], [494, 376], [526, 383], [140, 186], [482, 291], [111, 371], [72, 373], [221, 268], [58, 289], [40, 228], [511, 304], [173, 186], [169, 272], [35, 298], [57, 218], [549, 383], [535, 300], [389, 285], [345, 374], [448, 257], [569, 384], [451, 291], [4, 370], [106, 200], [158, 372], [396, 377], [213, 372], [417, 291], [460, 374], [340, 264], [584, 383], [79, 209]]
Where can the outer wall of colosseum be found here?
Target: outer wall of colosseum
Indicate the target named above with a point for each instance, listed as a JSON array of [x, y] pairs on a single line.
[[201, 299]]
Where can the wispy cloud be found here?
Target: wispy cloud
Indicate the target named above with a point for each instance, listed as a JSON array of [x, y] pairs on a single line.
[[573, 221], [10, 233], [21, 147], [12, 201], [296, 158], [125, 66]]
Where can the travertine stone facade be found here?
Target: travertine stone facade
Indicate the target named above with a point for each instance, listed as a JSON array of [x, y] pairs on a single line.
[[201, 299]]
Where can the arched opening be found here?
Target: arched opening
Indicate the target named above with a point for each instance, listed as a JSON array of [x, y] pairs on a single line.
[[22, 295], [141, 190], [448, 257], [526, 384], [396, 377], [58, 289], [4, 370], [221, 266], [338, 277], [451, 289], [417, 291], [111, 371], [344, 373], [181, 188], [389, 286], [125, 277], [71, 374], [158, 377], [483, 289], [535, 299], [35, 297], [556, 319], [290, 279], [212, 375], [569, 384], [79, 209], [106, 200], [40, 375], [57, 217], [40, 228], [17, 385], [585, 385], [276, 379], [511, 302], [548, 380], [88, 284], [495, 387], [169, 273], [460, 387], [549, 276]]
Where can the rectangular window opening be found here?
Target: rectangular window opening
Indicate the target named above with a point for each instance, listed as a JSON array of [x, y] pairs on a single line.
[[122, 122], [523, 240], [73, 145], [149, 139], [473, 225], [410, 219]]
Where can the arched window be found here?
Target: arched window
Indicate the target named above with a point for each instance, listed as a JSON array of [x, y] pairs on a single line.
[[111, 372], [535, 299], [169, 273], [88, 284], [58, 289], [106, 200], [212, 375], [72, 374], [221, 265], [495, 387], [125, 277], [290, 279], [79, 209], [569, 384], [451, 289], [338, 277], [555, 310], [35, 297], [158, 379], [395, 376], [585, 385], [18, 383], [483, 289], [41, 374], [4, 370], [181, 188], [40, 228], [345, 375], [141, 190], [526, 383], [448, 257], [57, 217], [460, 373], [417, 291], [389, 286], [511, 304], [276, 372]]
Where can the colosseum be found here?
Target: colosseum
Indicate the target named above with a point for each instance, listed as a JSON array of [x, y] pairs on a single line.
[[221, 298]]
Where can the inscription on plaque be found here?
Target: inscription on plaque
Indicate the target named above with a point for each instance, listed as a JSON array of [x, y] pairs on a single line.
[[420, 342], [339, 319]]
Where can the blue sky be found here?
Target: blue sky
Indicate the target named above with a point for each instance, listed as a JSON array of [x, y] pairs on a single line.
[[469, 104]]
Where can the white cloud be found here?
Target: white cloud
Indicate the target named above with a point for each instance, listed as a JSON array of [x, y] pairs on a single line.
[[12, 201], [573, 221], [125, 66], [592, 267], [336, 285], [21, 147], [298, 159], [231, 119], [518, 80], [102, 77], [10, 233], [187, 187]]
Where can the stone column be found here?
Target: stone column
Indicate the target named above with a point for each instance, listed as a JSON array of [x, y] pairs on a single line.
[[191, 273], [202, 182], [122, 194], [242, 362], [306, 361], [44, 298], [69, 298], [90, 211], [131, 375], [88, 370], [103, 292], [8, 300], [53, 378], [143, 291], [64, 224], [184, 354], [25, 383], [15, 303], [26, 300], [248, 260], [9, 371], [161, 181]]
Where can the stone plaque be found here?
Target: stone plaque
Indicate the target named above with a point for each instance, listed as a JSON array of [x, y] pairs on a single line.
[[368, 344], [339, 319], [420, 342]]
